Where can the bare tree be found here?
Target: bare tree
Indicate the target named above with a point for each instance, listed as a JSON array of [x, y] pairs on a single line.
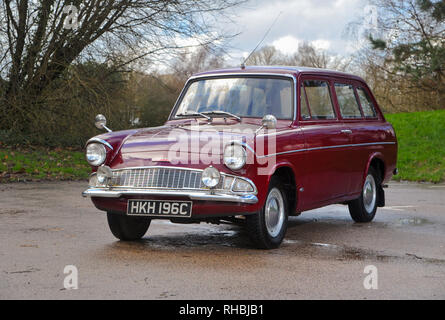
[[414, 40], [40, 39], [267, 56], [306, 56], [189, 61], [404, 59]]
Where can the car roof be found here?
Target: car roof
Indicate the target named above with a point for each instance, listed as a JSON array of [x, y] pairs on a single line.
[[290, 70]]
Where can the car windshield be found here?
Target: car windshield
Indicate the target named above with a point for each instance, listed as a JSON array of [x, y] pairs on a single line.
[[244, 97]]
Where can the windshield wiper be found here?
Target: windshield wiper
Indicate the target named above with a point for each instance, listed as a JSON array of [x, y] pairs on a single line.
[[223, 113], [187, 113]]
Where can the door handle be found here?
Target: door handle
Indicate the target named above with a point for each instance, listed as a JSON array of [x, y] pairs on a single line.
[[346, 131]]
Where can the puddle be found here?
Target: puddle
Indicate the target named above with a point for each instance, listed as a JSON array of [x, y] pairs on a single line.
[[29, 270], [199, 240], [324, 245], [43, 229], [412, 222], [327, 250], [11, 211], [345, 253]]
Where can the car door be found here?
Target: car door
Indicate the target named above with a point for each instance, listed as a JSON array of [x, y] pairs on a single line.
[[326, 163], [365, 134], [352, 116]]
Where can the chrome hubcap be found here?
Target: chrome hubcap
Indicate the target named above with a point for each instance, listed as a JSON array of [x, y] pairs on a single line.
[[369, 193], [274, 212]]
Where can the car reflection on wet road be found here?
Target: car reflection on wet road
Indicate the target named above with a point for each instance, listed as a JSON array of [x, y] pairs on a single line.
[[46, 226]]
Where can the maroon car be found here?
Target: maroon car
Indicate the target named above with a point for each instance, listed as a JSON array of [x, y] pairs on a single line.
[[252, 145]]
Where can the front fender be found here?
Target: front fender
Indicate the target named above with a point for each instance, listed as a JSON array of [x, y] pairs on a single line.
[[113, 142], [268, 176]]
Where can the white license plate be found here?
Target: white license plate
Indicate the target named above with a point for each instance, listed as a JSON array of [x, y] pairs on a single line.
[[159, 208]]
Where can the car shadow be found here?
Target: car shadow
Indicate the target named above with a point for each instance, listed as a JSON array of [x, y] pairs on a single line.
[[302, 231]]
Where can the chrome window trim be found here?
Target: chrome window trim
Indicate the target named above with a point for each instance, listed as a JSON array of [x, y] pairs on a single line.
[[99, 141], [328, 147], [235, 74]]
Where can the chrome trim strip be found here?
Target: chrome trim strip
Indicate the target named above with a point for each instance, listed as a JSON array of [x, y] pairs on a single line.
[[99, 141], [329, 147], [277, 133], [203, 196], [160, 167], [249, 74]]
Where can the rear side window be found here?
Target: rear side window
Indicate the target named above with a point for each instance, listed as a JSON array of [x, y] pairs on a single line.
[[349, 107], [319, 103], [366, 102]]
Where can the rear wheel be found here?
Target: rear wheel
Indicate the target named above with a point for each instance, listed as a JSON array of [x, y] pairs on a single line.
[[268, 228], [364, 208], [127, 228]]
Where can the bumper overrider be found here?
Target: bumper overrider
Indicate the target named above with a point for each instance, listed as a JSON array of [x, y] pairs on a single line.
[[170, 182]]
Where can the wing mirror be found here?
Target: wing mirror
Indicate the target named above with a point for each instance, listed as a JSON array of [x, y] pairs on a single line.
[[269, 121], [101, 122]]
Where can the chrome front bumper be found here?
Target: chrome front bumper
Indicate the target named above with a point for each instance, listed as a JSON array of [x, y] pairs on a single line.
[[193, 195]]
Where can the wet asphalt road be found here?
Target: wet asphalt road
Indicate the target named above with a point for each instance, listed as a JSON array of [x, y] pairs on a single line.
[[46, 226]]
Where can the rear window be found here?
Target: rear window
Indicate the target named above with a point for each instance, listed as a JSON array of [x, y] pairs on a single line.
[[316, 102], [366, 102], [349, 107]]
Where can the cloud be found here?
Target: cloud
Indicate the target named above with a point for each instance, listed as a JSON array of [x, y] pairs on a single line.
[[321, 44], [320, 22], [287, 44]]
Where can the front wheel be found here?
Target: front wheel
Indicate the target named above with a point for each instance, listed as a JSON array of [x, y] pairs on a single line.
[[364, 208], [268, 228], [127, 228]]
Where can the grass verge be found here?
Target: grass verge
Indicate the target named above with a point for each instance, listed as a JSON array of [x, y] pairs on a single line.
[[36, 164], [421, 137]]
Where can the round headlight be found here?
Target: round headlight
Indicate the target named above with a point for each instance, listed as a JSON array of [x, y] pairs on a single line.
[[235, 156], [210, 177], [96, 154]]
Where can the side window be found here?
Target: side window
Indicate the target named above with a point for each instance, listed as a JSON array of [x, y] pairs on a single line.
[[366, 102], [319, 99], [285, 98], [347, 102], [305, 114]]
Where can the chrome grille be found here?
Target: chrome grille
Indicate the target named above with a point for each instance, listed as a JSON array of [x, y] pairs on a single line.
[[158, 178]]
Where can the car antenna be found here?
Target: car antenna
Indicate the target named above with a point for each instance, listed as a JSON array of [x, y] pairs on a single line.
[[243, 64]]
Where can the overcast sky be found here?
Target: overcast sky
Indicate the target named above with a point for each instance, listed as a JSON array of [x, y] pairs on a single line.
[[321, 22]]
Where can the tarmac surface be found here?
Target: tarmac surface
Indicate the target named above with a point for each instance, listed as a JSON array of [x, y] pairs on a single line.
[[47, 226]]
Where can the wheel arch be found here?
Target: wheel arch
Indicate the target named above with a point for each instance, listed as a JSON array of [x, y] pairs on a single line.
[[377, 161], [286, 172]]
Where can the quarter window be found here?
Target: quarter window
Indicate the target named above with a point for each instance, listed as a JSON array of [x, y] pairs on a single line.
[[366, 102], [347, 102], [305, 114], [319, 99]]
